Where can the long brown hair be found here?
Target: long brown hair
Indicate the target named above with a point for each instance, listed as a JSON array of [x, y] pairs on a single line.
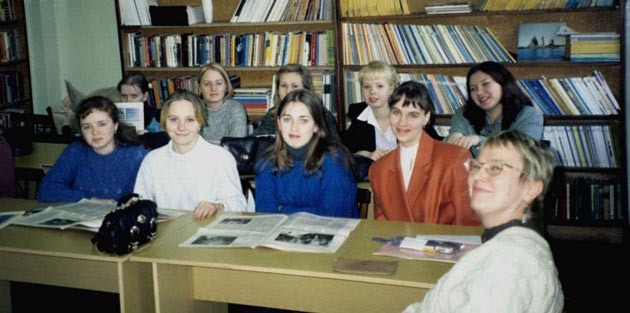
[[320, 144]]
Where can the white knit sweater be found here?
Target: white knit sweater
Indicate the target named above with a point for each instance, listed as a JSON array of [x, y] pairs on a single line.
[[512, 272]]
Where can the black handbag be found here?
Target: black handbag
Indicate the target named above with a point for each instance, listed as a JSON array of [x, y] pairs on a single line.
[[247, 150], [131, 225]]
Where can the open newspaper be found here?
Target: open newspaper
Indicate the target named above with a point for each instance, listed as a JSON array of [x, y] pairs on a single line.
[[84, 214], [302, 232]]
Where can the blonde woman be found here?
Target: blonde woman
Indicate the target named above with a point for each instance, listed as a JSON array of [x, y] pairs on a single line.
[[189, 173]]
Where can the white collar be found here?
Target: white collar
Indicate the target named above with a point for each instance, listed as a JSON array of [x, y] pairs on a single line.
[[367, 115]]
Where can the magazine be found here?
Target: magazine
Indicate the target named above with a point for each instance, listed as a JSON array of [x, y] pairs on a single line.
[[441, 248], [302, 232], [84, 214]]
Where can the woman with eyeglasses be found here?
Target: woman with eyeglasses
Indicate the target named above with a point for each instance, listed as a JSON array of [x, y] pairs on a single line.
[[513, 270], [422, 179], [494, 103]]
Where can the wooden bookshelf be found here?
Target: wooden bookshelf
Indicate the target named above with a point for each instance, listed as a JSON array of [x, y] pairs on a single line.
[[250, 76], [504, 25], [19, 63]]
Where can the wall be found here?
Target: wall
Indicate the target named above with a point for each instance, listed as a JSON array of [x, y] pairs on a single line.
[[73, 40]]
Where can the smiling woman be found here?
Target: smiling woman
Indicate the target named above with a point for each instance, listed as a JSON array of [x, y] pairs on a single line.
[[421, 180], [189, 173], [306, 171], [513, 270], [225, 116]]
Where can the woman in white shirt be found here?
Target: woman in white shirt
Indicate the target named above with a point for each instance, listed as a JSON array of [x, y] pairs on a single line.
[[189, 173]]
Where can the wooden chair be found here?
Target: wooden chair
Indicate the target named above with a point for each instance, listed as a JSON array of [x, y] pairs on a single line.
[[364, 197], [41, 127]]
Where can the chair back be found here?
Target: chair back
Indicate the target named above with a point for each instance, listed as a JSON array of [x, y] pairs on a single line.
[[8, 183], [364, 197]]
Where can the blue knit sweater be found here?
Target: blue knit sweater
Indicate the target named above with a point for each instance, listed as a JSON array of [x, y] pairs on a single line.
[[331, 192], [80, 172]]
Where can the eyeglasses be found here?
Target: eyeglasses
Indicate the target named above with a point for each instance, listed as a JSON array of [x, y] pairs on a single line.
[[493, 167]]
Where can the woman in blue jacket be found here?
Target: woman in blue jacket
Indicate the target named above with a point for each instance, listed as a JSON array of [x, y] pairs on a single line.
[[306, 171]]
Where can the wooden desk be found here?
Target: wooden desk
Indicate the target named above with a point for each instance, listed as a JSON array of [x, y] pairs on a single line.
[[43, 153], [28, 168], [67, 258], [290, 280]]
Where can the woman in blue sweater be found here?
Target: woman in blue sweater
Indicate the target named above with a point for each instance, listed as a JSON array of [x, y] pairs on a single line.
[[102, 165], [306, 171]]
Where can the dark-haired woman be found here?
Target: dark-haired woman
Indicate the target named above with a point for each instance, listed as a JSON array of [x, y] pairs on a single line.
[[102, 165], [494, 103], [421, 180], [306, 171]]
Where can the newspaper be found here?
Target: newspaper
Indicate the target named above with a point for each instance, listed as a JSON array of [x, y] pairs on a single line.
[[302, 232], [85, 215], [7, 217]]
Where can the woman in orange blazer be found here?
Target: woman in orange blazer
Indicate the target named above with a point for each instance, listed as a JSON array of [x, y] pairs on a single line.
[[423, 180]]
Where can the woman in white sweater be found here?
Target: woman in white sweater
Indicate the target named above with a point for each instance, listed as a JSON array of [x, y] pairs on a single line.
[[513, 270], [189, 173]]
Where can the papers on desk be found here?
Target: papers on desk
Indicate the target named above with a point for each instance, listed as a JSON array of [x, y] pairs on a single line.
[[84, 215], [441, 248], [302, 232], [7, 217]]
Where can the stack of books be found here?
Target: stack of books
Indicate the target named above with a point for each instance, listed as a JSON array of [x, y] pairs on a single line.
[[259, 11], [448, 8], [255, 100], [594, 47]]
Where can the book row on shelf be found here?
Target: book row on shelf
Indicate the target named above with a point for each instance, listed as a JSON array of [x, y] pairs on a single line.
[[589, 95], [588, 199], [356, 8], [584, 145], [11, 89], [353, 8], [262, 49], [594, 47], [420, 44], [257, 11], [160, 90], [9, 46], [520, 5], [7, 11], [140, 12]]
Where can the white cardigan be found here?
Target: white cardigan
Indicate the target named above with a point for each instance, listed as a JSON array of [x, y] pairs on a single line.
[[512, 272]]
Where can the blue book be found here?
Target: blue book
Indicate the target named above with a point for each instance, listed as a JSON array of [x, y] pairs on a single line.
[[542, 93]]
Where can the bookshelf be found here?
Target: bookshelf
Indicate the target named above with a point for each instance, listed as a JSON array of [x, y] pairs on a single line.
[[253, 73], [504, 26], [504, 29], [15, 82]]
